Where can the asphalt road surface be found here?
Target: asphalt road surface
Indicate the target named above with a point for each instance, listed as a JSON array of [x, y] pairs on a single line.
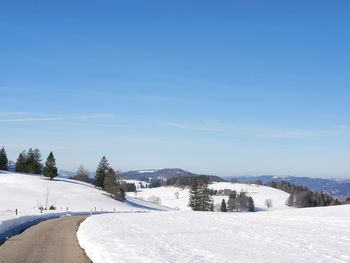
[[53, 241]]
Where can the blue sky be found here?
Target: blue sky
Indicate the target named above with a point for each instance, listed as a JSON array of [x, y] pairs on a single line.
[[215, 87]]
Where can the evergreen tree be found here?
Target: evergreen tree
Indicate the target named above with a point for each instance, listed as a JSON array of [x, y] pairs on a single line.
[[21, 162], [194, 194], [205, 201], [200, 199], [37, 166], [223, 206], [251, 206], [101, 172], [50, 169], [3, 159], [112, 185], [30, 162], [155, 182]]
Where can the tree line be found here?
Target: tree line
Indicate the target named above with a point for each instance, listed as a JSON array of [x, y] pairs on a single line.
[[302, 196], [31, 162]]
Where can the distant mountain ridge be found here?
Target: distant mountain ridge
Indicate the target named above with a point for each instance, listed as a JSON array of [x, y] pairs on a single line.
[[66, 174], [335, 187], [167, 173]]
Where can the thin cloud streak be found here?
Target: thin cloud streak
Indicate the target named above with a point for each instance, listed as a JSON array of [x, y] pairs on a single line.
[[344, 127], [294, 134], [31, 119], [35, 117], [205, 127], [96, 116], [254, 131]]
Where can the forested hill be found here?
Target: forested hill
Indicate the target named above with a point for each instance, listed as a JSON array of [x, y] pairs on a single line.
[[335, 187], [168, 173]]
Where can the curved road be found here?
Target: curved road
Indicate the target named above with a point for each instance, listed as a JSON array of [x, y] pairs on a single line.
[[53, 241]]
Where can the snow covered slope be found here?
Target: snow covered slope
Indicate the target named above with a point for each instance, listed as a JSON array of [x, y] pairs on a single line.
[[293, 235], [27, 193], [257, 192]]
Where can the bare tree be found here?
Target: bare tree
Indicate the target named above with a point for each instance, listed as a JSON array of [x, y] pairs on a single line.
[[155, 199], [268, 203], [82, 175]]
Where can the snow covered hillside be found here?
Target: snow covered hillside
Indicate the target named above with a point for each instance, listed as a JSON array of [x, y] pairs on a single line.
[[292, 235], [27, 193], [257, 192]]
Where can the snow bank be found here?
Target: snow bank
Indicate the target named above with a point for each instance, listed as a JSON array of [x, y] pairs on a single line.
[[14, 226], [293, 235]]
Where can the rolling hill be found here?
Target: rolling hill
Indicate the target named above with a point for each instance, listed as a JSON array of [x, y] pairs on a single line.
[[335, 187], [258, 193]]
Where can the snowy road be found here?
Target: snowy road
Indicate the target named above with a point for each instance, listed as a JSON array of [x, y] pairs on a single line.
[[52, 241]]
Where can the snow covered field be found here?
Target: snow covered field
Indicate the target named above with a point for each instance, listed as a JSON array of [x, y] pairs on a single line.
[[292, 235], [257, 192]]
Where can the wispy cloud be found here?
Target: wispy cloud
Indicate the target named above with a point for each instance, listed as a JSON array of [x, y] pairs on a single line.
[[293, 134], [96, 116], [253, 131], [344, 127], [31, 119], [204, 126], [19, 116], [36, 117]]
